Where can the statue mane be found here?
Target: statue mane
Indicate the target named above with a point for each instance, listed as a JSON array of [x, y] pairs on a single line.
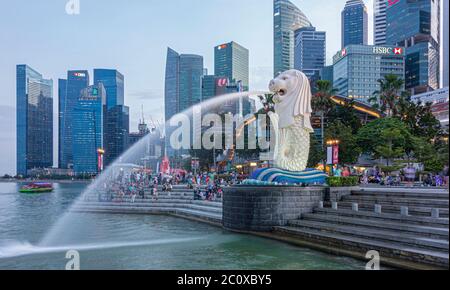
[[296, 102]]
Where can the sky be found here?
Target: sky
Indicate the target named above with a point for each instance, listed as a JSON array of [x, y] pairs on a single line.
[[132, 36]]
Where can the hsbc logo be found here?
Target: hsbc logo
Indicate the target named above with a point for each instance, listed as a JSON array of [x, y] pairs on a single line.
[[222, 82], [398, 50], [393, 2], [387, 50], [382, 50], [344, 52]]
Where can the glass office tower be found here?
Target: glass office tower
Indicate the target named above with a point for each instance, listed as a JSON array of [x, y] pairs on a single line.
[[310, 51], [231, 61], [354, 23], [116, 114], [113, 81], [34, 105], [116, 131], [87, 129], [183, 87], [286, 18], [357, 69], [379, 22], [77, 80], [416, 26]]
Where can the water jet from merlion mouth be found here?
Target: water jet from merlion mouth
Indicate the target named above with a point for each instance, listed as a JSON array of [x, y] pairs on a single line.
[[61, 232]]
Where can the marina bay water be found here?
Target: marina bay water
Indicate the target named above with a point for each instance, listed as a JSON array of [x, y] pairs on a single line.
[[116, 241]]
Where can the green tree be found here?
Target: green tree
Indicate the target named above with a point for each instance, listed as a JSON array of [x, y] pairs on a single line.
[[419, 118], [385, 137], [316, 153], [346, 114], [427, 153], [322, 103], [349, 151], [394, 146], [387, 98]]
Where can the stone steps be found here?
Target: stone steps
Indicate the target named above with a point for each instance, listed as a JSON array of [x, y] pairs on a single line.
[[431, 232], [413, 202], [384, 235], [359, 246], [402, 194], [207, 206], [384, 217], [215, 217], [387, 208]]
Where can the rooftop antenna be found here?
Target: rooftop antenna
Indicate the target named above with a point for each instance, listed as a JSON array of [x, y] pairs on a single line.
[[142, 110]]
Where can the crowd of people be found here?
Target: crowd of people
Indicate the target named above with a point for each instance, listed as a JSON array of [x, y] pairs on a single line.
[[127, 186], [405, 176], [138, 183]]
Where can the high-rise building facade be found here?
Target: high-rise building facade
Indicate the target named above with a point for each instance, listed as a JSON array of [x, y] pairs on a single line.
[[326, 74], [415, 25], [183, 87], [87, 130], [190, 81], [445, 60], [113, 81], [77, 80], [379, 22], [286, 18], [231, 60], [310, 51], [34, 105], [354, 23], [116, 131], [357, 69], [116, 114]]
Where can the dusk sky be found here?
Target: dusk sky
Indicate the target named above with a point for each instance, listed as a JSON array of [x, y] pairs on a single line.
[[132, 36]]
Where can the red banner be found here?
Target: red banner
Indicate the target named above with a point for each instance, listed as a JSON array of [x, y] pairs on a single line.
[[335, 154]]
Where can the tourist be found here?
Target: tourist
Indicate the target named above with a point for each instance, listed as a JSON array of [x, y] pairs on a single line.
[[346, 172]]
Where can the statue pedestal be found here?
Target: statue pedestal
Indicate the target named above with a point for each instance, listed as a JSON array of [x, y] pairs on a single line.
[[260, 208]]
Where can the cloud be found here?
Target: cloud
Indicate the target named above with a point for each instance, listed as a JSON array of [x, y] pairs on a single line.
[[146, 95], [260, 77]]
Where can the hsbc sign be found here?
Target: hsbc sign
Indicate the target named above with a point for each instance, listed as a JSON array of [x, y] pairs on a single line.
[[387, 50]]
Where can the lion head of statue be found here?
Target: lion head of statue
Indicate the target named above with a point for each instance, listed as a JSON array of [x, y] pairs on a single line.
[[292, 97]]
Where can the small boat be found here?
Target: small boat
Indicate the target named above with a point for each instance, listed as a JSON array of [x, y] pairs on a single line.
[[36, 187]]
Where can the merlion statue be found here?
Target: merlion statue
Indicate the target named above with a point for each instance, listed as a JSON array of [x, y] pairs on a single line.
[[292, 119], [292, 124]]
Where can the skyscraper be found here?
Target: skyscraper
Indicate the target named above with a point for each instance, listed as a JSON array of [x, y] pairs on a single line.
[[116, 114], [286, 18], [415, 25], [445, 33], [87, 129], [190, 81], [113, 81], [183, 86], [231, 66], [77, 80], [379, 22], [231, 60], [34, 105], [116, 131], [357, 69], [354, 23], [310, 51]]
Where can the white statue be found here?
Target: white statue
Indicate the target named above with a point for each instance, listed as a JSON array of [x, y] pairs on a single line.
[[291, 120]]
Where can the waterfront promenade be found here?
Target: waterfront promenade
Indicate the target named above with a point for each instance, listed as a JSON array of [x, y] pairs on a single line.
[[407, 226]]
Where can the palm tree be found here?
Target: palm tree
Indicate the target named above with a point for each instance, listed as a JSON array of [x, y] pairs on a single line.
[[388, 98], [322, 103]]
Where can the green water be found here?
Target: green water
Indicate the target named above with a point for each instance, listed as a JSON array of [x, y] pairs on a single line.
[[112, 241]]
